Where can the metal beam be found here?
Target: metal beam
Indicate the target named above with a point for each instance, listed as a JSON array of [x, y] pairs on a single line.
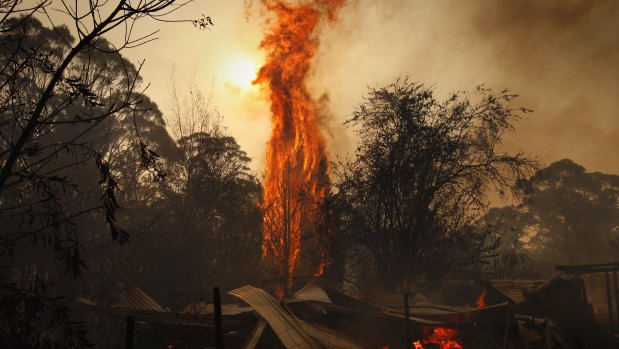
[[587, 268]]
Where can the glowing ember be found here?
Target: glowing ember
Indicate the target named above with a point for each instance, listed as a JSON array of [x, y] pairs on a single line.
[[481, 301], [445, 338], [296, 178]]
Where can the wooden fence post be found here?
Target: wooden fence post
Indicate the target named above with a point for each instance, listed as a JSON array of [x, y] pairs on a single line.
[[610, 303], [407, 332], [219, 340], [129, 332], [616, 296]]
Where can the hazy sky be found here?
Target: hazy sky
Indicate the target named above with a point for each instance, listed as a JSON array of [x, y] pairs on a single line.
[[561, 56]]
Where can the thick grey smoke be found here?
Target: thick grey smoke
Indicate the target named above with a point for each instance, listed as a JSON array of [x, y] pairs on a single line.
[[562, 57]]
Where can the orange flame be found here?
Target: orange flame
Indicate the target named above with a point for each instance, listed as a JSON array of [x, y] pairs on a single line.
[[481, 301], [296, 180], [445, 338]]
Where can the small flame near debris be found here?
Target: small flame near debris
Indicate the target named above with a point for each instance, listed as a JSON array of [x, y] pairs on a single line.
[[481, 301], [445, 338]]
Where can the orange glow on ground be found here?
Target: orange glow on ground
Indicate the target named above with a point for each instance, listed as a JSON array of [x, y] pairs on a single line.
[[481, 301], [445, 338]]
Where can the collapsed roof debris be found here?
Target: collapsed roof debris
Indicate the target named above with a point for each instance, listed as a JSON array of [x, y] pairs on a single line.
[[517, 314]]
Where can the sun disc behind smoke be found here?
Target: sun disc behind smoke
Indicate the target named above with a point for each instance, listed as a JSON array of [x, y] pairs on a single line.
[[242, 73]]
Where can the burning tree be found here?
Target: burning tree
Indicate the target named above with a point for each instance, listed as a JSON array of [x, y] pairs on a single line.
[[296, 163], [420, 178]]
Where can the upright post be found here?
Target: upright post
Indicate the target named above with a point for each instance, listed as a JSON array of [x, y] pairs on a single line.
[[616, 296], [407, 332], [129, 332], [219, 339], [610, 303], [507, 324]]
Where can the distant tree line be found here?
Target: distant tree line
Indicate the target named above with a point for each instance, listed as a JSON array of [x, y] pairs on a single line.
[[566, 216]]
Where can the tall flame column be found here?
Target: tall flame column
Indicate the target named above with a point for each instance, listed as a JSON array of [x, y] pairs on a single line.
[[296, 163]]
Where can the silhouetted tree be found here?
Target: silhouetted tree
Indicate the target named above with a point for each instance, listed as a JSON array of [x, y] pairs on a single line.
[[508, 257], [191, 121], [568, 215], [212, 201], [55, 89], [145, 210], [224, 215], [420, 177]]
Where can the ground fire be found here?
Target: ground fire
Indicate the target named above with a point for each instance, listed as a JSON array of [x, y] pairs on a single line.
[[481, 301], [296, 162], [445, 338]]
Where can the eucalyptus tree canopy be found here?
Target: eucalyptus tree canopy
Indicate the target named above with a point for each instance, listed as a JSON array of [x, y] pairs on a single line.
[[421, 175]]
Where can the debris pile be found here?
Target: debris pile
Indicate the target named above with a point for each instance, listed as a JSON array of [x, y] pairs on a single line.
[[504, 314]]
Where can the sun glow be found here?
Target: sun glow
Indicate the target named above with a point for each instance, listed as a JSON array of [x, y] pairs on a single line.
[[241, 74]]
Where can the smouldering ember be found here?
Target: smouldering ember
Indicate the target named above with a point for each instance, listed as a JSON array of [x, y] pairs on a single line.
[[296, 162], [481, 301]]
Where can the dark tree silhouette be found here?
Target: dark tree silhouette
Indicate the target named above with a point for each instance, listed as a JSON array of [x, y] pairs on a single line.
[[569, 215], [509, 257], [56, 91], [420, 177], [224, 216]]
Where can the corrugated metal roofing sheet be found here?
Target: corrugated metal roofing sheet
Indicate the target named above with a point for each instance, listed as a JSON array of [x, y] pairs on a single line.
[[311, 292], [206, 308], [513, 289], [137, 299], [283, 323]]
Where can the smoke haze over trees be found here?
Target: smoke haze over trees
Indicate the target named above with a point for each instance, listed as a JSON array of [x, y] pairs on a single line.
[[102, 190], [561, 57], [567, 216]]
